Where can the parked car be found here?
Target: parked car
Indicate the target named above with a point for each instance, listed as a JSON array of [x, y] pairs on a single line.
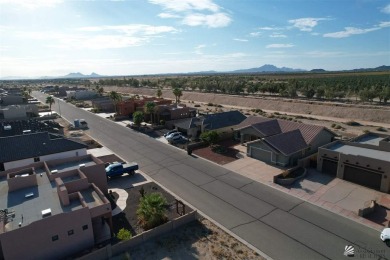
[[179, 139], [385, 236], [170, 132], [118, 169], [168, 137]]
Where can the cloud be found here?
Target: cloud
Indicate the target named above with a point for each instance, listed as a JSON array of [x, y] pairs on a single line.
[[198, 49], [278, 35], [131, 29], [279, 45], [306, 24], [212, 20], [168, 15], [255, 34], [194, 13], [186, 5], [99, 37], [268, 28], [32, 4], [349, 31], [240, 40], [386, 9]]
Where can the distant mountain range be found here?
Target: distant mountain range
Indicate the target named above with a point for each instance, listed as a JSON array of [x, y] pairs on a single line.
[[267, 68]]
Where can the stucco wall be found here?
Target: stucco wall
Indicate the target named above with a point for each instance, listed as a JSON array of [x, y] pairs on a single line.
[[34, 241]]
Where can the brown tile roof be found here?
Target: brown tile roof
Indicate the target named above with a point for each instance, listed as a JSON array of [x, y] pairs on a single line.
[[287, 143], [309, 132], [251, 120], [267, 128]]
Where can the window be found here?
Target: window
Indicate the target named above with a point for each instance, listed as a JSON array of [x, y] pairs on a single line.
[[70, 232], [54, 238], [85, 227], [36, 159]]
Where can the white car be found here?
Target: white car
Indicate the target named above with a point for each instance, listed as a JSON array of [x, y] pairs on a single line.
[[170, 132], [173, 135], [385, 236]]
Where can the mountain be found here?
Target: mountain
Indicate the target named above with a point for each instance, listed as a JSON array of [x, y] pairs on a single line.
[[267, 68], [318, 70], [80, 75], [380, 68]]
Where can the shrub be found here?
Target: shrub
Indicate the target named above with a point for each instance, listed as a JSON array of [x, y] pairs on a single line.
[[197, 105], [210, 137], [381, 129], [210, 104], [353, 123], [338, 127], [151, 210], [124, 234], [333, 125]]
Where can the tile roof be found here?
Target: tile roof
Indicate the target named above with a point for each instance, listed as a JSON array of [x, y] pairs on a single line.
[[287, 143], [224, 119], [20, 147], [269, 127], [186, 123], [251, 120]]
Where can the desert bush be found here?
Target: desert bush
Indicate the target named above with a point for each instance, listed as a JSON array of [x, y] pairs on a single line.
[[381, 129], [353, 123], [151, 210], [124, 234]]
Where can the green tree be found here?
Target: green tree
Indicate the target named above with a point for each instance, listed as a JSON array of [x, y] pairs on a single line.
[[178, 93], [149, 109], [116, 98], [138, 117], [159, 93], [151, 211], [124, 234], [50, 101], [210, 137]]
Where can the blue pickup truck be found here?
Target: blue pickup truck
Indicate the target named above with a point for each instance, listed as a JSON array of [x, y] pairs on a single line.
[[118, 169]]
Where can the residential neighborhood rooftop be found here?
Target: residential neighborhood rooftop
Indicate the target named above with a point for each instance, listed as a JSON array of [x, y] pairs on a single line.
[[371, 139], [360, 151]]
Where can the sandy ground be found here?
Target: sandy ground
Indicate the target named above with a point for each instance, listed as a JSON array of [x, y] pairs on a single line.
[[197, 240], [367, 113]]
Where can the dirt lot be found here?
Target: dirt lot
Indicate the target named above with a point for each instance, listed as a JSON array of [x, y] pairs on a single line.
[[197, 240], [334, 116], [329, 109], [228, 156]]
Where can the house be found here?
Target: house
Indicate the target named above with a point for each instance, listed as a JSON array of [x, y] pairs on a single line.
[[364, 160], [20, 127], [80, 94], [172, 112], [7, 99], [14, 112], [129, 106], [21, 150], [223, 123], [281, 142], [103, 104], [54, 209]]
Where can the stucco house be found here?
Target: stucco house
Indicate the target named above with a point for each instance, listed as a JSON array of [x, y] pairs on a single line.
[[22, 150], [281, 142], [54, 209], [364, 160]]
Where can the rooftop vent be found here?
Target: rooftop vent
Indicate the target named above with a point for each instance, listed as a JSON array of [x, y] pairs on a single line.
[[54, 171], [7, 127], [46, 212], [82, 165], [26, 132]]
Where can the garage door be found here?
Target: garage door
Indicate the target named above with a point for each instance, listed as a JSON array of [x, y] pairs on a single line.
[[329, 167], [363, 177], [261, 155]]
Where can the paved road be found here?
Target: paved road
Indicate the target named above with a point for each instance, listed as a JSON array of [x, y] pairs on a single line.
[[281, 226]]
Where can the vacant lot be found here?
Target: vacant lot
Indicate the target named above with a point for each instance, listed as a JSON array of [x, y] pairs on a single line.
[[329, 109]]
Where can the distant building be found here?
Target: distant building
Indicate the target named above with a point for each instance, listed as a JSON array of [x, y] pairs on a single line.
[[103, 104], [80, 94], [364, 160], [128, 107], [172, 112], [281, 142], [20, 127], [53, 209], [22, 150]]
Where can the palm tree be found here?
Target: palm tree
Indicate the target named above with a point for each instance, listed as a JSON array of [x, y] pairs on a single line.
[[159, 93], [115, 97], [50, 101], [178, 93], [149, 109], [151, 210]]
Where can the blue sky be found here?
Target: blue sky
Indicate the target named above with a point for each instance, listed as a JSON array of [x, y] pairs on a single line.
[[133, 37]]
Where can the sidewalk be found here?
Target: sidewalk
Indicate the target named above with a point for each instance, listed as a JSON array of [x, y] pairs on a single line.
[[339, 196]]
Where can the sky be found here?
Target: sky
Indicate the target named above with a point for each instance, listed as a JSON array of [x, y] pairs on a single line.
[[140, 37]]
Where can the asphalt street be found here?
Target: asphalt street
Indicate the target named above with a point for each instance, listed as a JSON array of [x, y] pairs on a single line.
[[281, 226]]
